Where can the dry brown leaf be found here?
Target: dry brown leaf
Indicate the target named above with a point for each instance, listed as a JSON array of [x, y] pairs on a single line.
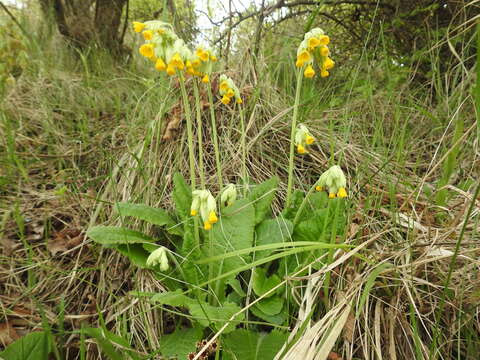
[[349, 328], [334, 356], [7, 334], [64, 240]]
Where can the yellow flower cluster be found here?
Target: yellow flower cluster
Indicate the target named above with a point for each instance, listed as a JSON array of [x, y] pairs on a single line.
[[303, 137], [314, 45], [334, 180], [204, 203], [170, 53], [228, 90]]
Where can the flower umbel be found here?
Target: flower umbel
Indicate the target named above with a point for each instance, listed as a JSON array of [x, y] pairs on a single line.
[[204, 203], [314, 46], [227, 89], [158, 257], [334, 181], [303, 138]]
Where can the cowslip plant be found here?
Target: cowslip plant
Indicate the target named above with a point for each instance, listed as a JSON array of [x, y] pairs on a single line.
[[242, 251]]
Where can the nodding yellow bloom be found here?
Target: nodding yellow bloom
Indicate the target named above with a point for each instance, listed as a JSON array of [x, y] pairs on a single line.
[[309, 72], [331, 195], [206, 79], [301, 149], [230, 93], [196, 63], [309, 139], [138, 26], [225, 100], [342, 193], [223, 86], [324, 73], [213, 58], [302, 138], [212, 217], [160, 65], [324, 51], [204, 56], [319, 188], [170, 70], [313, 42], [299, 63], [190, 70], [304, 56], [324, 40], [146, 50], [207, 226], [193, 212], [328, 64], [239, 101], [148, 34], [177, 61]]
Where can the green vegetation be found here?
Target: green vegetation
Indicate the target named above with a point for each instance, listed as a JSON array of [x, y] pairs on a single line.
[[275, 207]]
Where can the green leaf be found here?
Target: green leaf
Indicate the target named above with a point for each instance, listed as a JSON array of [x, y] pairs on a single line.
[[208, 315], [147, 213], [182, 196], [235, 284], [136, 253], [262, 196], [234, 231], [32, 346], [173, 298], [112, 235], [369, 284], [180, 343], [262, 283], [248, 345], [291, 211], [278, 319], [272, 231], [271, 306]]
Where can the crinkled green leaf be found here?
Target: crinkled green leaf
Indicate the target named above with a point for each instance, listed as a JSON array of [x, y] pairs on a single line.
[[262, 196], [32, 346], [248, 345], [180, 343], [173, 298], [147, 213], [182, 196], [136, 253], [271, 306], [208, 315], [271, 231], [262, 283], [112, 235], [278, 319]]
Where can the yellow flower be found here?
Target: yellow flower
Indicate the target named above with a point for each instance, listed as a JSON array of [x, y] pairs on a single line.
[[318, 188], [196, 63], [138, 26], [146, 50], [230, 93], [342, 193], [331, 195], [324, 40], [223, 86], [212, 217], [299, 63], [148, 34], [324, 73], [207, 226], [309, 72], [313, 42], [225, 99], [301, 149], [160, 65], [170, 70], [177, 61], [193, 212], [206, 79], [309, 140], [239, 101], [324, 51], [213, 58], [304, 56], [328, 64]]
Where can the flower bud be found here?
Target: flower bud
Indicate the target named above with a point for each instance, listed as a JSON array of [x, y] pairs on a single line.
[[158, 257], [229, 195], [334, 180]]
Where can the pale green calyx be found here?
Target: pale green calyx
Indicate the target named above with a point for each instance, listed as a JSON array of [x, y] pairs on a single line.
[[334, 181], [158, 257], [229, 195], [303, 137], [204, 203]]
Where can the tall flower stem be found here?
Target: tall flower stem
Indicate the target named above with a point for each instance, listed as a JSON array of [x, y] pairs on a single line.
[[191, 155], [292, 136], [199, 132], [215, 137], [243, 147]]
